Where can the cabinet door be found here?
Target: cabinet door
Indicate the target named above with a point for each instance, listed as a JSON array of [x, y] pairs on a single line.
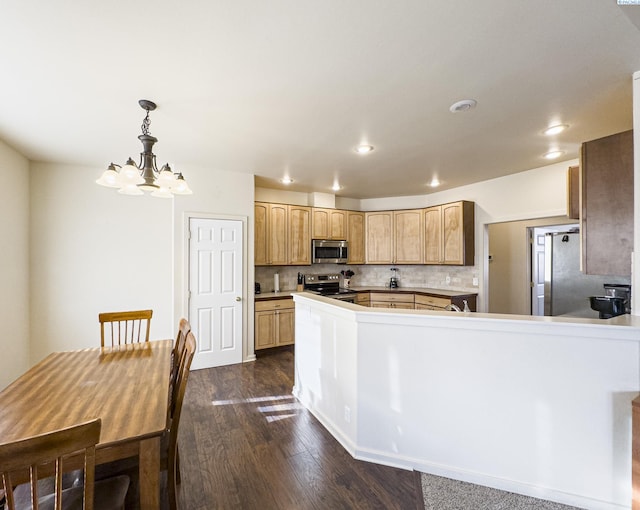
[[379, 243], [285, 321], [458, 233], [607, 205], [452, 248], [320, 223], [408, 236], [265, 329], [433, 235], [355, 231], [299, 235], [277, 235], [261, 233], [338, 224]]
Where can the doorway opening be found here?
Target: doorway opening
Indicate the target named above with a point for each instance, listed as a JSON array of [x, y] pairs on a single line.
[[510, 265]]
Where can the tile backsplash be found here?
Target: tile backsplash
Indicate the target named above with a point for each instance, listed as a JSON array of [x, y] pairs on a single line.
[[437, 277]]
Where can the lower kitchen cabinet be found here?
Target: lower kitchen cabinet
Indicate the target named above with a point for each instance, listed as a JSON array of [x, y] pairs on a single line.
[[392, 300], [274, 323], [431, 302]]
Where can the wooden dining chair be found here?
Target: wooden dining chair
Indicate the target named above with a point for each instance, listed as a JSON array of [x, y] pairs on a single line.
[[179, 351], [126, 327], [172, 457], [36, 453]]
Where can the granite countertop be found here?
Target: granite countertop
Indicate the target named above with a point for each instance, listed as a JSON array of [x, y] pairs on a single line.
[[283, 294], [286, 294], [414, 290]]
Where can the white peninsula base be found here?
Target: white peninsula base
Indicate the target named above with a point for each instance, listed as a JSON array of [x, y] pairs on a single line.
[[537, 406]]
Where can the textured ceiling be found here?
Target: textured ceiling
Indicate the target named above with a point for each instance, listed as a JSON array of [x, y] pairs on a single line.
[[291, 87]]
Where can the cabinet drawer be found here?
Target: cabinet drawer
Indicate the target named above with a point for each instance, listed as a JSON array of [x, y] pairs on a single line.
[[437, 302], [392, 297], [274, 304], [363, 298]]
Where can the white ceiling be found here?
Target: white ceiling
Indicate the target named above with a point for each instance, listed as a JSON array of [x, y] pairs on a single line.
[[291, 86]]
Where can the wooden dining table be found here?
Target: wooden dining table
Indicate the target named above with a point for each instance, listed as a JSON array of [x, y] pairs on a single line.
[[127, 386]]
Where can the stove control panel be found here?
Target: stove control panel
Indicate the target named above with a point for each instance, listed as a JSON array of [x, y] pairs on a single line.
[[320, 278]]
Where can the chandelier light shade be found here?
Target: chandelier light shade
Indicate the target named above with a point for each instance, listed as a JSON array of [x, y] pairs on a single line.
[[132, 179]]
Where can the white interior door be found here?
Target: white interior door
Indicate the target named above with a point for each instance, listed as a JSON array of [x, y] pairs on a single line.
[[537, 269], [215, 290]]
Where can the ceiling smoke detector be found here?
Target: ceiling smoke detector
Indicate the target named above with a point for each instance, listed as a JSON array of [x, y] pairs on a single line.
[[463, 106]]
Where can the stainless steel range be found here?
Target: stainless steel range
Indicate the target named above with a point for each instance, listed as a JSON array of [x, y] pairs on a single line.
[[328, 285]]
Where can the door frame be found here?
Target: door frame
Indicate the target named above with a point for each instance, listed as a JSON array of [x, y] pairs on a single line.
[[248, 351]]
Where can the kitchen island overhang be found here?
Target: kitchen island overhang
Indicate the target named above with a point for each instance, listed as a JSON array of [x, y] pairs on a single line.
[[538, 406]]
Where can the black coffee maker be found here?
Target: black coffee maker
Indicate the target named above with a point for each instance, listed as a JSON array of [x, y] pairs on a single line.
[[257, 288]]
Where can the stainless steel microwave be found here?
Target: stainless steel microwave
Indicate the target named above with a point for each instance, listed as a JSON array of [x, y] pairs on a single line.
[[329, 252]]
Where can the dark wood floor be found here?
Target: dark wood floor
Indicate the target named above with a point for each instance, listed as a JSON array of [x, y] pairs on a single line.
[[246, 443]]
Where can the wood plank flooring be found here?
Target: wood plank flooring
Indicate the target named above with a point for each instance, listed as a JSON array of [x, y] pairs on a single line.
[[246, 443]]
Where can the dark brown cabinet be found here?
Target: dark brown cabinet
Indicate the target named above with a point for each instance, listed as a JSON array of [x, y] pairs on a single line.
[[606, 168]]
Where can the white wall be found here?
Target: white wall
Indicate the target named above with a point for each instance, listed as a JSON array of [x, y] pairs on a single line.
[[215, 194], [14, 264], [94, 250], [504, 401]]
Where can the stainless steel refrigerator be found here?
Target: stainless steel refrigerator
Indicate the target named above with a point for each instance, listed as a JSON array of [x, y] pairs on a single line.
[[566, 289]]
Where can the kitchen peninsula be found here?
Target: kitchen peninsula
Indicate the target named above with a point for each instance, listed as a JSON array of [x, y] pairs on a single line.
[[535, 405]]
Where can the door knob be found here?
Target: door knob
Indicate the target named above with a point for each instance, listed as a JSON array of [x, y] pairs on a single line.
[[238, 298]]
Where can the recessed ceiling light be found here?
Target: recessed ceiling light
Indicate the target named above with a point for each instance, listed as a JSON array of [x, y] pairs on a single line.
[[463, 106], [434, 182], [554, 130], [336, 187], [364, 149], [286, 180], [553, 154]]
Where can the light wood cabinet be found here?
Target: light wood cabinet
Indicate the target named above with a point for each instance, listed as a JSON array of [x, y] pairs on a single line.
[[355, 236], [363, 298], [329, 224], [378, 232], [449, 234], [299, 240], [274, 323], [408, 236], [392, 300], [282, 234], [270, 234], [606, 168], [431, 302], [394, 237]]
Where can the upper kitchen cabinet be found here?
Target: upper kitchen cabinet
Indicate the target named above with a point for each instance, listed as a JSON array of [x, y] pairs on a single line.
[[606, 169], [355, 237], [394, 237], [270, 234], [449, 234], [408, 240], [329, 223], [378, 241], [282, 234], [299, 235]]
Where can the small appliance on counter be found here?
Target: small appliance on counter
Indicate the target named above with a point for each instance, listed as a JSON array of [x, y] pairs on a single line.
[[393, 281], [257, 288], [616, 301]]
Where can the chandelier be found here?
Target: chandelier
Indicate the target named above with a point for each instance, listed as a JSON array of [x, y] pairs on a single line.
[[132, 179]]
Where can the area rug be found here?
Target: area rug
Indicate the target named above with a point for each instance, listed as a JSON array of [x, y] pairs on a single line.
[[441, 493]]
